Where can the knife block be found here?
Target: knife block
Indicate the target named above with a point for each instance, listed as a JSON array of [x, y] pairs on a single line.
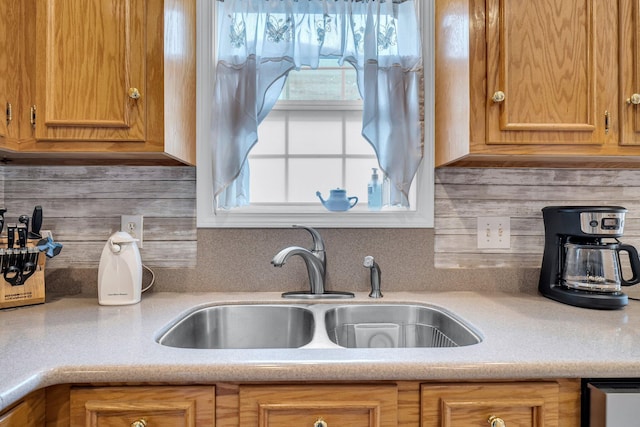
[[31, 291]]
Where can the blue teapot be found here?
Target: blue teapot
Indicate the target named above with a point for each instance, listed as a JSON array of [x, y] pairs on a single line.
[[338, 200]]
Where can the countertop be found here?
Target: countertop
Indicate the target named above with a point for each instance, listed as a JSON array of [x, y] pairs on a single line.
[[75, 340]]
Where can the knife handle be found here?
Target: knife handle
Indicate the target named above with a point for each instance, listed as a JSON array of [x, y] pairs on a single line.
[[11, 234], [2, 212], [22, 235], [36, 223]]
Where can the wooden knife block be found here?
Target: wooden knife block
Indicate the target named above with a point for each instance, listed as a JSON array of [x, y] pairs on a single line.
[[31, 292]]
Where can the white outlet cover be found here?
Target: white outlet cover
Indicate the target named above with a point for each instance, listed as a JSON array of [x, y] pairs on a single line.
[[494, 232], [137, 220]]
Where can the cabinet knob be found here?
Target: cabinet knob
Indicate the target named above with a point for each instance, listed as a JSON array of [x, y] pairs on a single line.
[[134, 93], [139, 423], [496, 421], [498, 96], [320, 423], [634, 99]]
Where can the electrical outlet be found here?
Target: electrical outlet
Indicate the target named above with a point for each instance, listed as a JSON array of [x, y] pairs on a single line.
[[494, 232], [132, 224]]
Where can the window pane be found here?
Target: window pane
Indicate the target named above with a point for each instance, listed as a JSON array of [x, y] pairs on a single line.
[[312, 133], [329, 82], [358, 176], [267, 181], [355, 142], [271, 134], [311, 175]]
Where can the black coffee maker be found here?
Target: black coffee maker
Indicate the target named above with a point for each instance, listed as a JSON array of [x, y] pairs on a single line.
[[580, 264]]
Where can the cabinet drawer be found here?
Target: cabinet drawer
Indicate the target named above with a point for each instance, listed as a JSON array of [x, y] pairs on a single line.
[[525, 404], [311, 405], [158, 406]]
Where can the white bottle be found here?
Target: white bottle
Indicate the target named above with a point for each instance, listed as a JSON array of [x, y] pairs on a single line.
[[120, 271], [374, 192]]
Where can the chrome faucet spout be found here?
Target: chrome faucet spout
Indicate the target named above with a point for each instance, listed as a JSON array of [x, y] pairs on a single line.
[[315, 266], [316, 262]]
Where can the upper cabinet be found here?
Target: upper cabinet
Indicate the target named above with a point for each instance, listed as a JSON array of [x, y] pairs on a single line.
[[14, 83], [630, 71], [537, 82], [112, 79], [90, 74]]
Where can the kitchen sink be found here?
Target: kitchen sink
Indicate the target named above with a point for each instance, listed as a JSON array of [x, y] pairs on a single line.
[[242, 326], [396, 325], [318, 325]]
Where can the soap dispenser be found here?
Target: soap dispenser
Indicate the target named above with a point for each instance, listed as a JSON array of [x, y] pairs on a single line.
[[374, 192]]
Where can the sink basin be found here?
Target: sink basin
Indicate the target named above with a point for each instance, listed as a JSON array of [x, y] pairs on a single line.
[[242, 326], [396, 325], [260, 326]]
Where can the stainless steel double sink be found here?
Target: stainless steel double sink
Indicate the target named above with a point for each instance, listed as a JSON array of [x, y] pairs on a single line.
[[245, 326]]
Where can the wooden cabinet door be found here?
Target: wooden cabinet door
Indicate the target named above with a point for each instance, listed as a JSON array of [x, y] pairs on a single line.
[[526, 404], [551, 72], [158, 406], [10, 49], [630, 72], [314, 405], [28, 413], [90, 54]]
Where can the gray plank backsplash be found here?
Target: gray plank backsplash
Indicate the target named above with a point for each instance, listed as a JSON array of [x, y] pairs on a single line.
[[82, 207], [463, 194]]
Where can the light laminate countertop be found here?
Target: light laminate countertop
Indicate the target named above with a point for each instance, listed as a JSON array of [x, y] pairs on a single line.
[[75, 340]]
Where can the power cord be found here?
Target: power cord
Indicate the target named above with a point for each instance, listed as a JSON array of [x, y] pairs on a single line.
[[153, 278]]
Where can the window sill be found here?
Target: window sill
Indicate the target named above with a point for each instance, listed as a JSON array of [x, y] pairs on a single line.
[[265, 218]]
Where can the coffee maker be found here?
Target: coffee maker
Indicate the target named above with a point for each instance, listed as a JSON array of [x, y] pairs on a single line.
[[581, 264]]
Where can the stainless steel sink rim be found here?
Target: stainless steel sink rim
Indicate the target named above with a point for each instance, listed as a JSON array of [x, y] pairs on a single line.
[[319, 335]]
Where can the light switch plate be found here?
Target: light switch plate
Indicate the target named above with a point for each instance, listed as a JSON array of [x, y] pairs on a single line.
[[494, 232]]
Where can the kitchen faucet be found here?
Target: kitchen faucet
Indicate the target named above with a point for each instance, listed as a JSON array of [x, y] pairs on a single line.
[[316, 263]]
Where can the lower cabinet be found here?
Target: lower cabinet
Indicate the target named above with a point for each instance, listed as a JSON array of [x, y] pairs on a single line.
[[523, 404], [29, 412], [537, 403], [159, 406], [319, 405]]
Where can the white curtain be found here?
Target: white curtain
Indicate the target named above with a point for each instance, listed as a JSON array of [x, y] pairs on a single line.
[[260, 41]]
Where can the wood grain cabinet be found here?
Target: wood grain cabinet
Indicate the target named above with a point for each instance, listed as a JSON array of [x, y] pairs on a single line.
[[107, 79], [29, 412], [546, 81], [185, 406], [526, 404], [14, 63], [319, 405], [630, 72]]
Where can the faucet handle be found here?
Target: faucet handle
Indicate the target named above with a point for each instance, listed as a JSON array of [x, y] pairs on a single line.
[[318, 243]]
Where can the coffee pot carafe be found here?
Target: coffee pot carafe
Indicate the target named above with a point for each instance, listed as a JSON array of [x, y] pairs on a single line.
[[597, 268], [581, 264]]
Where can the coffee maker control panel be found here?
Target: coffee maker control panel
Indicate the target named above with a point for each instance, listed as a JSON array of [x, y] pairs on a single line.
[[602, 222]]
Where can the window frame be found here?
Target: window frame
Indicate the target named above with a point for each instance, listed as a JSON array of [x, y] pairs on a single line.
[[316, 216]]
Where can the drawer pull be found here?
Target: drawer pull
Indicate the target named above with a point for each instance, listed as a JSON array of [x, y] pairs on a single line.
[[139, 423], [320, 423], [496, 421]]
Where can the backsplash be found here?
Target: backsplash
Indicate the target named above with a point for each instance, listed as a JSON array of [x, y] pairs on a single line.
[[82, 207], [463, 194]]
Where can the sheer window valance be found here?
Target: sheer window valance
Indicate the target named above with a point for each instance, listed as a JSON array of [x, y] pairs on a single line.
[[261, 41]]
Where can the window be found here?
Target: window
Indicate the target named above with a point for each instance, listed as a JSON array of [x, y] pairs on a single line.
[[278, 160]]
